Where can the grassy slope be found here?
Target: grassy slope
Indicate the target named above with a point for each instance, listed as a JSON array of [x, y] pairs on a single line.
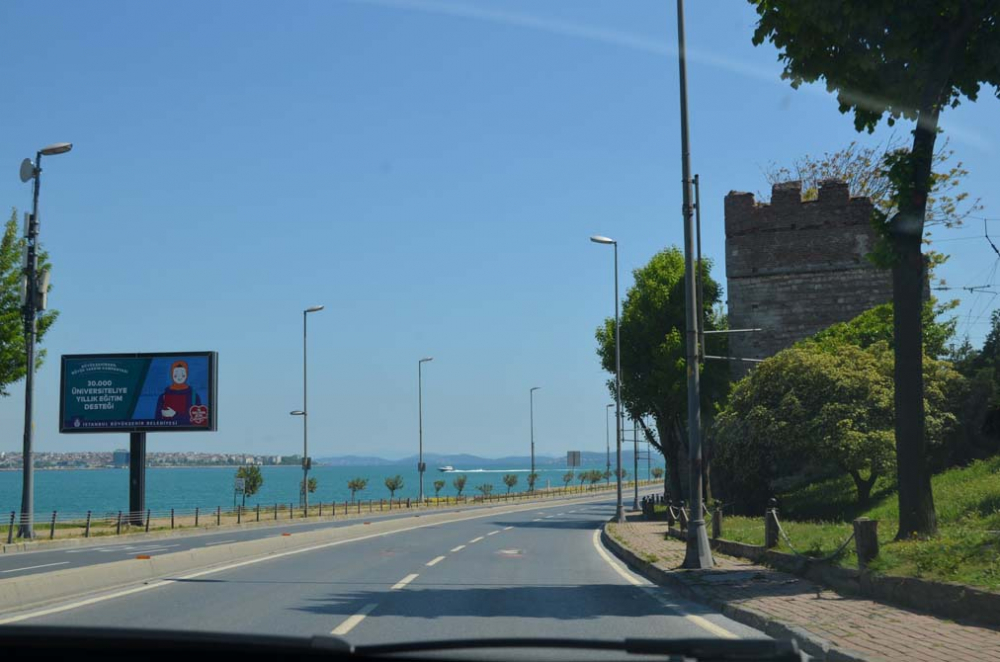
[[967, 550]]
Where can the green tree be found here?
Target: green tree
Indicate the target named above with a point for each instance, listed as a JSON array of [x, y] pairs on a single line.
[[459, 483], [876, 325], [532, 479], [253, 480], [907, 61], [485, 488], [595, 476], [438, 484], [822, 406], [567, 478], [653, 355], [356, 485], [583, 477], [657, 472], [12, 348], [510, 480], [313, 484], [394, 483]]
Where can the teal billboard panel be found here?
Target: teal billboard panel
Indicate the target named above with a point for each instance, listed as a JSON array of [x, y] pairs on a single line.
[[161, 392]]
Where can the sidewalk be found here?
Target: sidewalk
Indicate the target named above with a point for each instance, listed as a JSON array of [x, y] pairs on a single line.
[[852, 628]]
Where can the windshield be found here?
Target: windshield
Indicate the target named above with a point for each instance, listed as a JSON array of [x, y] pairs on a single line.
[[432, 320]]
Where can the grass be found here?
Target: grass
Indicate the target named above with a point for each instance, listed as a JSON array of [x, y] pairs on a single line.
[[817, 519]]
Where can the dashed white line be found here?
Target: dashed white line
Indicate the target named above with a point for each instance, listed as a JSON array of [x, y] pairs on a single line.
[[404, 581], [458, 549], [537, 519], [549, 516], [560, 514], [33, 567], [435, 561], [475, 540], [507, 528], [352, 621], [221, 542], [493, 533]]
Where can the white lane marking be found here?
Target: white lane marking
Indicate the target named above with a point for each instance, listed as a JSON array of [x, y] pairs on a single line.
[[435, 561], [537, 519], [221, 542], [549, 516], [507, 528], [33, 567], [700, 621], [596, 539], [404, 581], [167, 582], [352, 621], [560, 514], [147, 551], [493, 533], [475, 540], [459, 548], [706, 624]]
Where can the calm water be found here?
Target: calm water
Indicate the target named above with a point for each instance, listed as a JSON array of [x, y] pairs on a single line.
[[106, 490]]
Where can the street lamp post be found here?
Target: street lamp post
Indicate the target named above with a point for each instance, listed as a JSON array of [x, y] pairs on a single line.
[[607, 441], [635, 464], [33, 302], [304, 413], [531, 398], [420, 423], [619, 511], [698, 553]]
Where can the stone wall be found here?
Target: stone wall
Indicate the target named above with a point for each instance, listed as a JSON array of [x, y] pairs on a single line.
[[795, 267]]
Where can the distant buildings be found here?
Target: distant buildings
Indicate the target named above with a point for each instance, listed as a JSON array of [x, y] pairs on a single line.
[[120, 458]]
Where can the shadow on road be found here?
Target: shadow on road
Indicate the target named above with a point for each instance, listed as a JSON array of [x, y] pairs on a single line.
[[561, 602]]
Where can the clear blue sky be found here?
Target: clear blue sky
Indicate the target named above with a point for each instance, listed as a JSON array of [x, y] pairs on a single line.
[[430, 171]]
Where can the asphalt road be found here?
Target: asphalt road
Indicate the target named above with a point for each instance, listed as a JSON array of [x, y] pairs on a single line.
[[112, 549], [541, 572]]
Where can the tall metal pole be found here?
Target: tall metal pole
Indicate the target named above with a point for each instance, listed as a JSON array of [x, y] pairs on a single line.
[[305, 420], [607, 441], [531, 398], [26, 528], [699, 276], [635, 465], [698, 553], [420, 424], [619, 510]]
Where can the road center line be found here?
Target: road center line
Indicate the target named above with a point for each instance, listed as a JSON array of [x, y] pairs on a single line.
[[32, 567], [475, 540], [537, 519], [458, 549], [435, 561], [221, 542], [352, 621], [507, 528], [493, 533], [404, 581]]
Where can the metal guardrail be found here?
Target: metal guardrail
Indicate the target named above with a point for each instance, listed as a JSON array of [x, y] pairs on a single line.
[[91, 523]]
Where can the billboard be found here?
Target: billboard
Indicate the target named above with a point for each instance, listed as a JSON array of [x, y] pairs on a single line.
[[160, 392]]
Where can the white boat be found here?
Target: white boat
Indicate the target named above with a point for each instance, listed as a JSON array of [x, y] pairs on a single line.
[[446, 467]]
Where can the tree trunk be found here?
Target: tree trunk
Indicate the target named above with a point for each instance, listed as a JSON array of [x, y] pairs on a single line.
[[706, 466], [916, 500], [669, 441]]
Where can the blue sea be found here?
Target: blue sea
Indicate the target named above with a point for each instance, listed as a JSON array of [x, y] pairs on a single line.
[[74, 491]]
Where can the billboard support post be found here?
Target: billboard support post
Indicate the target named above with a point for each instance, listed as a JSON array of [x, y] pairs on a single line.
[[136, 477]]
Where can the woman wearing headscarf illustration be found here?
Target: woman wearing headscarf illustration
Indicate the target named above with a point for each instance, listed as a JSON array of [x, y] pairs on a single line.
[[177, 400]]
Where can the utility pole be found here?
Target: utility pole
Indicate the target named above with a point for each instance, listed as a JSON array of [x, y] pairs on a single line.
[[698, 554], [420, 424], [531, 398]]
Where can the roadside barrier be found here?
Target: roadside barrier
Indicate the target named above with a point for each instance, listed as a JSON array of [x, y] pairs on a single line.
[[864, 536], [89, 523]]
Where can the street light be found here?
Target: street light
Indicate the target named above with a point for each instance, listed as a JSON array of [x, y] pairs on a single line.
[[34, 300], [619, 511], [420, 416], [607, 440], [531, 398], [304, 413]]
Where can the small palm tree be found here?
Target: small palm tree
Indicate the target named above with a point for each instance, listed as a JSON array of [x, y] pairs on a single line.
[[485, 488], [394, 483], [657, 473], [459, 483], [356, 485], [510, 480], [438, 484], [532, 479], [567, 478]]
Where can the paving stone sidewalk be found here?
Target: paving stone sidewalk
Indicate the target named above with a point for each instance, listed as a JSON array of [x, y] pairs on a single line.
[[877, 631]]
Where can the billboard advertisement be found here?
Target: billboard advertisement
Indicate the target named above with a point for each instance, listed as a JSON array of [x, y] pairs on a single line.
[[160, 392]]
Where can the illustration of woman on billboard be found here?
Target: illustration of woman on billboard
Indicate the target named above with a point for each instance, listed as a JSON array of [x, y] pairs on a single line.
[[177, 400]]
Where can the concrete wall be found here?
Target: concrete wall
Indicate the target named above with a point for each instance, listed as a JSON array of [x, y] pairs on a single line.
[[794, 268]]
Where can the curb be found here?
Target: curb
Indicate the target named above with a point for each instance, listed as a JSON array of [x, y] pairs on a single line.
[[815, 646]]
